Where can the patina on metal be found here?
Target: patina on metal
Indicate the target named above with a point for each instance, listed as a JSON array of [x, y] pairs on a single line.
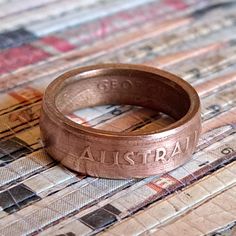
[[120, 155]]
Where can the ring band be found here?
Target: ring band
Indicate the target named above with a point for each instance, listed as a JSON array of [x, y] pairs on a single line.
[[120, 155]]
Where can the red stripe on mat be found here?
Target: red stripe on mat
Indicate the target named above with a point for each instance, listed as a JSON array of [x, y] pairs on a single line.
[[60, 44], [14, 58]]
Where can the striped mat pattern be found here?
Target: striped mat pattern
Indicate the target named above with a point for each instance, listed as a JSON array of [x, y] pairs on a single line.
[[39, 40]]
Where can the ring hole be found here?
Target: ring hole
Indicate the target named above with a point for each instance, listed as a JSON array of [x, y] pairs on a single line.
[[150, 101], [121, 118]]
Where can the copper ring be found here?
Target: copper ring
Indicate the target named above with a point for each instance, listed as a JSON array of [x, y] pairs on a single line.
[[120, 155]]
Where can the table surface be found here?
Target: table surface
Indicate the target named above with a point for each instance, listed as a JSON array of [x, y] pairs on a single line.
[[41, 39]]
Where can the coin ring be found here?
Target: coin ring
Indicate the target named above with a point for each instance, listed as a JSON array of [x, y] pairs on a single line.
[[109, 154]]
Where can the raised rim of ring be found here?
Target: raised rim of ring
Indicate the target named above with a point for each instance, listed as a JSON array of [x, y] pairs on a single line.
[[49, 101]]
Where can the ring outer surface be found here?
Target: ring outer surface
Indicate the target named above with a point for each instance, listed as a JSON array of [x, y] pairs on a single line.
[[114, 155]]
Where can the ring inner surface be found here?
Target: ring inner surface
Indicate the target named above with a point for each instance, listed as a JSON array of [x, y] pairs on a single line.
[[123, 87]]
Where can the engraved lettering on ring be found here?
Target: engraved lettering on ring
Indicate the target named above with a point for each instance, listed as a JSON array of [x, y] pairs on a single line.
[[87, 154], [195, 136], [127, 157], [103, 85], [144, 156], [160, 154], [103, 156], [107, 85], [131, 157], [127, 84], [114, 83], [177, 149], [187, 143], [116, 158]]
